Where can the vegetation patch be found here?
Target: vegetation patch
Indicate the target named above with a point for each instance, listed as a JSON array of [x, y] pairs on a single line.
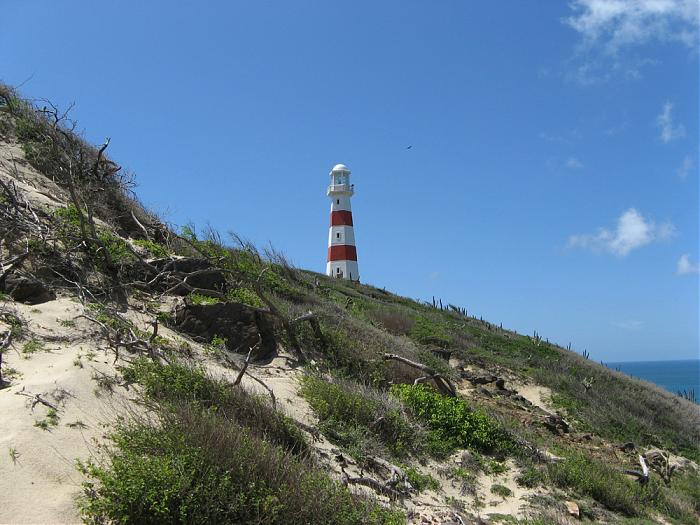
[[193, 466], [153, 248], [599, 481], [197, 298], [453, 423], [245, 296], [32, 347], [501, 490], [181, 383], [428, 332], [360, 418], [419, 481]]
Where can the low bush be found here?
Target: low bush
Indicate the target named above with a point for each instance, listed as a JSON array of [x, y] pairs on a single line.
[[360, 418], [197, 298], [428, 332], [192, 466], [153, 248], [453, 423], [421, 482], [178, 383], [599, 481], [396, 321], [245, 296]]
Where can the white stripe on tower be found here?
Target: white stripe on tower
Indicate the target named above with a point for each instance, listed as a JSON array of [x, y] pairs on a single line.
[[342, 254]]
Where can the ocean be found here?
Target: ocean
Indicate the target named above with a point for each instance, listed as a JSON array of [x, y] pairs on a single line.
[[674, 376]]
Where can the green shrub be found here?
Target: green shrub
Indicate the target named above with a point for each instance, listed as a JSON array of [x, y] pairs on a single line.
[[197, 298], [177, 383], [245, 296], [531, 477], [429, 332], [192, 466], [31, 347], [420, 481], [117, 247], [501, 490], [155, 249], [599, 481], [352, 415], [452, 422]]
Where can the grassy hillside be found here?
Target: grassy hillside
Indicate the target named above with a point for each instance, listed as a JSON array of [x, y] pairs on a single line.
[[416, 398]]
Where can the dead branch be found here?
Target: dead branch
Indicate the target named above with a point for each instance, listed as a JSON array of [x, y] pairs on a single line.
[[375, 485], [312, 318], [443, 384], [237, 381], [36, 399], [12, 263], [643, 476], [269, 390], [141, 226]]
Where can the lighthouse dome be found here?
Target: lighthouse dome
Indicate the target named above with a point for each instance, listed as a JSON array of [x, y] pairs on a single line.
[[340, 167]]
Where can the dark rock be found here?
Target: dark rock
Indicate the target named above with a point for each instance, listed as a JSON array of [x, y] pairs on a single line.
[[241, 325], [442, 353], [184, 265], [556, 424], [500, 384], [478, 379], [212, 279], [627, 447], [27, 290], [197, 273], [484, 391]]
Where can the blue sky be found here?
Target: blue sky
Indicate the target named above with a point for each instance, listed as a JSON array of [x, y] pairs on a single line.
[[552, 182]]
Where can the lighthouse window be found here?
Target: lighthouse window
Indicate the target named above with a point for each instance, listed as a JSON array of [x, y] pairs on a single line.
[[337, 201], [337, 235]]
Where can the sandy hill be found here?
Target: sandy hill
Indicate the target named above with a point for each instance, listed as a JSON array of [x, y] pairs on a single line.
[[157, 376]]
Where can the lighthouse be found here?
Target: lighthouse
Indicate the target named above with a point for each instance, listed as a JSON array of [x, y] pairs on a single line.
[[342, 254]]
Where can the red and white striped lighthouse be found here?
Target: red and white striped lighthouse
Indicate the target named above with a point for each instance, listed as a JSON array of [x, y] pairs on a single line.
[[342, 254]]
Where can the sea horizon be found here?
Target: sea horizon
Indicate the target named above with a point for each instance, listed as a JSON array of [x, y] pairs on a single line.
[[674, 375]]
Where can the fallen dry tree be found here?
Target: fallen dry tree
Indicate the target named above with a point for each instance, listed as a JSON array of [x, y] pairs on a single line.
[[443, 384]]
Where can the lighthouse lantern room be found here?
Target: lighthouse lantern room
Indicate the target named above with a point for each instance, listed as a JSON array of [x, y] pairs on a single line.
[[342, 254]]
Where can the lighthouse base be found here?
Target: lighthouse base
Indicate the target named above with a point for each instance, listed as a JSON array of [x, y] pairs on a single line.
[[343, 270]]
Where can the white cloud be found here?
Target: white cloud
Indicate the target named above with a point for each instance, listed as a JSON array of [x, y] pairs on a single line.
[[668, 131], [686, 167], [616, 24], [434, 276], [685, 267], [611, 29], [632, 231], [573, 163]]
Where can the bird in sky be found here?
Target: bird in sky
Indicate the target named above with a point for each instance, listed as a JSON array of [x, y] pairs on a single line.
[[409, 147]]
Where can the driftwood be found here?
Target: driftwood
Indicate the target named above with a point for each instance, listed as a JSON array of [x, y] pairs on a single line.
[[643, 476], [237, 381], [660, 462], [442, 383], [36, 399], [375, 485], [126, 338]]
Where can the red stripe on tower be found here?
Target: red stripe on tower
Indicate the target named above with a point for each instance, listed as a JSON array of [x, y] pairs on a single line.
[[341, 218], [342, 252]]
